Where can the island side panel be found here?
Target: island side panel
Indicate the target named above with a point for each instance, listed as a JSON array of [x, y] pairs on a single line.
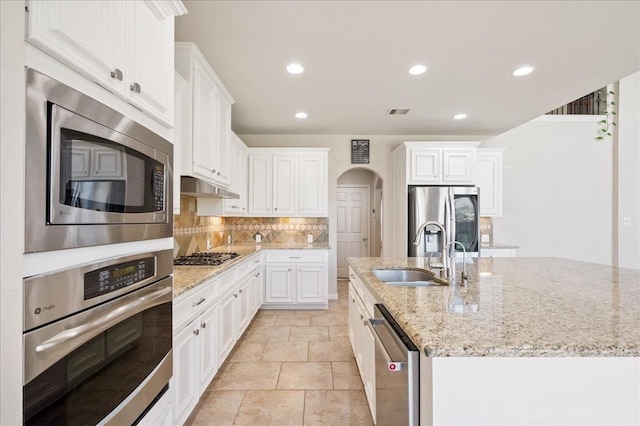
[[524, 391]]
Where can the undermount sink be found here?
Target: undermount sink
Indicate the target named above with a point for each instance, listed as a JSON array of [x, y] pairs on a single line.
[[406, 277]]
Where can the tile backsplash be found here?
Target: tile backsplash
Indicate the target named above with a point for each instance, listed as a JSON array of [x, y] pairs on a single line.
[[191, 232]]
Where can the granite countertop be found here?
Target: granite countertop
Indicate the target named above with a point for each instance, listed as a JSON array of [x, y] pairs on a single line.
[[498, 246], [516, 307], [186, 278]]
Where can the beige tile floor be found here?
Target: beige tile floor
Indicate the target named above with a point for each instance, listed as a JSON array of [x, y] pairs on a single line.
[[292, 367]]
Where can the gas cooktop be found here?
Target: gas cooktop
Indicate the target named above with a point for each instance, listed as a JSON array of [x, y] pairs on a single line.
[[204, 259]]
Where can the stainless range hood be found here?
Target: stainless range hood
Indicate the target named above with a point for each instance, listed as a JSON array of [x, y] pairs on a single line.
[[195, 187]]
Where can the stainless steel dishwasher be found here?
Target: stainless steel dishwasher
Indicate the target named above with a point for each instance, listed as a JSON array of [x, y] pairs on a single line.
[[397, 372]]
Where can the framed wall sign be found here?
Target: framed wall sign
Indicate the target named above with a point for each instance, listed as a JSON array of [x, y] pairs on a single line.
[[359, 151]]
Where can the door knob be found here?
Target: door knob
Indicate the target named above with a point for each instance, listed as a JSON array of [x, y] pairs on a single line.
[[365, 239]]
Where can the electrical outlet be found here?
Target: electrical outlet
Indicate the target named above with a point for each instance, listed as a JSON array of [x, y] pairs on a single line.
[[209, 245], [258, 238], [310, 238]]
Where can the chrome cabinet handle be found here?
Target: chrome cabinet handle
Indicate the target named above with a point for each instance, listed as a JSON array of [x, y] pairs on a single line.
[[276, 208], [240, 291], [203, 325], [257, 261], [105, 321], [361, 316], [196, 331], [365, 239], [135, 87], [294, 257], [289, 269], [235, 295], [117, 74], [199, 302]]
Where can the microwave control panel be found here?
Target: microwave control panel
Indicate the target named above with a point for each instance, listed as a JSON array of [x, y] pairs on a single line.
[[158, 188], [114, 277]]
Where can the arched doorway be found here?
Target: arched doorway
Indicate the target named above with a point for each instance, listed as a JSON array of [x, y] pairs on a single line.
[[359, 217]]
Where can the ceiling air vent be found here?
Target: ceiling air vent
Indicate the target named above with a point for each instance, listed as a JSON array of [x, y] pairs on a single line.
[[398, 111]]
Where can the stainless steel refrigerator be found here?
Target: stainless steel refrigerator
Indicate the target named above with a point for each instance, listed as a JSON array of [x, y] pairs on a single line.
[[456, 208]]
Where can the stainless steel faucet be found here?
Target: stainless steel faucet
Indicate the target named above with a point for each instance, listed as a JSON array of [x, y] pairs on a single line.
[[464, 259], [443, 232]]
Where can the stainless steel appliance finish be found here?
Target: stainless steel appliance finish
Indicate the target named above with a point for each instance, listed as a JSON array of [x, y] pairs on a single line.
[[93, 176], [105, 356], [204, 259], [397, 372], [457, 209], [195, 187]]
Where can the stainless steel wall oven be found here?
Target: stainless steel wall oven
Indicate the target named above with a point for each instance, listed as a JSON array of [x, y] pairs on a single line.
[[97, 340], [93, 176]]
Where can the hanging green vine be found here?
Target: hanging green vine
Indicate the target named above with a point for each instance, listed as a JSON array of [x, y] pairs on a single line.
[[607, 124]]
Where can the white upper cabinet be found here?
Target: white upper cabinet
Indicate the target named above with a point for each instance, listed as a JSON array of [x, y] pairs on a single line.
[[205, 151], [440, 163], [126, 47], [489, 180], [288, 182], [312, 190]]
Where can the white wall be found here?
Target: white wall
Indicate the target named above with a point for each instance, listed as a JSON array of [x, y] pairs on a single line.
[[627, 175], [12, 114], [339, 162], [566, 194], [557, 190]]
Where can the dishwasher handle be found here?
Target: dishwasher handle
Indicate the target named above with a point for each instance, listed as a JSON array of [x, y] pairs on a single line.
[[393, 366]]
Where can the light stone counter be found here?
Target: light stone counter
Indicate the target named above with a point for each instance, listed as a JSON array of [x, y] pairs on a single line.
[[517, 307], [186, 278]]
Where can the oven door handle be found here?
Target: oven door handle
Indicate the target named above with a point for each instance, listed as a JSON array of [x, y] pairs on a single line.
[[103, 322], [392, 365]]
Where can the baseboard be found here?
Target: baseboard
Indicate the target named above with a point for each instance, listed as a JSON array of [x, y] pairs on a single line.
[[333, 296]]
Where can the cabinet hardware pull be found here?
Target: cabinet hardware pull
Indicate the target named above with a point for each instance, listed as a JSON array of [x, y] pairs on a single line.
[[289, 269], [135, 87], [203, 325], [276, 208], [257, 261], [294, 257], [235, 295], [364, 323], [196, 332], [353, 300], [351, 276], [361, 317], [240, 291], [117, 74], [202, 299]]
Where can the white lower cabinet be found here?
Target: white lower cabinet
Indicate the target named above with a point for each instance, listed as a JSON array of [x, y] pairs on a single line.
[[195, 361], [296, 279], [361, 337], [207, 324]]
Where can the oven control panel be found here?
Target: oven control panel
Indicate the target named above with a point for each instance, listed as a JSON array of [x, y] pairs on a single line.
[[114, 277]]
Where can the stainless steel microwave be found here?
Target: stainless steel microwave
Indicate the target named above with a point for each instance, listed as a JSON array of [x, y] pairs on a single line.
[[93, 176]]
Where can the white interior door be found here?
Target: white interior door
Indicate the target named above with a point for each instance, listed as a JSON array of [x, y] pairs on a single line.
[[353, 225]]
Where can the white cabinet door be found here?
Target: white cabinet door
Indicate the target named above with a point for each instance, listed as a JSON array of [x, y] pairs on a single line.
[[223, 141], [87, 36], [425, 165], [205, 122], [257, 285], [150, 60], [207, 328], [353, 314], [312, 186], [458, 165], [228, 326], [279, 286], [285, 181], [489, 180], [311, 283], [245, 305], [185, 372], [260, 184]]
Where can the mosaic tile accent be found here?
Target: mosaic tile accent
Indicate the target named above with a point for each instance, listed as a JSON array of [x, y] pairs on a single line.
[[190, 231]]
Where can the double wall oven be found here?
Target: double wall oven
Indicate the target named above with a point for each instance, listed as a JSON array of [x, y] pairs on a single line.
[[97, 333]]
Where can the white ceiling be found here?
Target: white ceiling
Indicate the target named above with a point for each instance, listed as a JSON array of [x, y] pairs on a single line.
[[356, 55]]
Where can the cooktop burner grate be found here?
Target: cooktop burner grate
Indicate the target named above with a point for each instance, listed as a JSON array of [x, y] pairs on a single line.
[[204, 259]]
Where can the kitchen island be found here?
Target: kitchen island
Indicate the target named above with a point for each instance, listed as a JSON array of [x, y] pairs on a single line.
[[525, 341]]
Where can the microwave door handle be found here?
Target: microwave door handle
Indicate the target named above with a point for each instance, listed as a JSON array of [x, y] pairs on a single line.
[[103, 322]]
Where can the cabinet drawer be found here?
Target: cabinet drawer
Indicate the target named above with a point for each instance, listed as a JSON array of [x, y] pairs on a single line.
[[190, 304], [249, 265], [290, 256]]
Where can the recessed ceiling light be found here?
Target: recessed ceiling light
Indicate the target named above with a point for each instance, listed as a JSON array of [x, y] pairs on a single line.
[[459, 116], [417, 69], [301, 115], [295, 68], [522, 71]]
